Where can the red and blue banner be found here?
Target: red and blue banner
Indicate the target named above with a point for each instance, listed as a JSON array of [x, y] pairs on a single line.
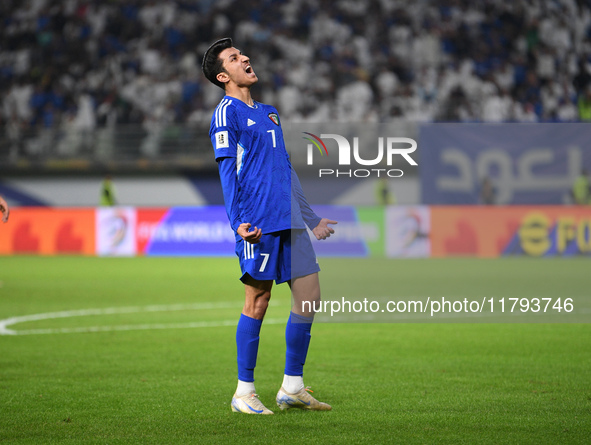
[[491, 232], [402, 231]]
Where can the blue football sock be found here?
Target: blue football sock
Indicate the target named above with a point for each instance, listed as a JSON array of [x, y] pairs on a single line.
[[297, 339], [247, 345]]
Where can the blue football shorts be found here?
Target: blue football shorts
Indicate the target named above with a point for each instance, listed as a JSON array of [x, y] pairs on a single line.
[[279, 256]]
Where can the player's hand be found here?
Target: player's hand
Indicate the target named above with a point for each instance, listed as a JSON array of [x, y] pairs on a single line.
[[4, 210], [253, 237], [322, 230]]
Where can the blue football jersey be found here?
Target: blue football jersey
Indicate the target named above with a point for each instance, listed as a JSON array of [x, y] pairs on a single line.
[[259, 189]]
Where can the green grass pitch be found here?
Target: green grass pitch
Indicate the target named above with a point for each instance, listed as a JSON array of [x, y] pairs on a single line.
[[96, 377]]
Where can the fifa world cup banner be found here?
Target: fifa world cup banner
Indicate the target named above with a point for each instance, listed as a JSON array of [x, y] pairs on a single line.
[[490, 232], [184, 231], [502, 163], [205, 231]]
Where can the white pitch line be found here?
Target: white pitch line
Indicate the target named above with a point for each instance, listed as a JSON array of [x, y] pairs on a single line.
[[184, 307], [142, 327], [4, 324]]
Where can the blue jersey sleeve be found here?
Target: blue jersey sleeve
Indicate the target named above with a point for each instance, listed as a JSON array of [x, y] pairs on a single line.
[[227, 168], [225, 134], [309, 216], [224, 130]]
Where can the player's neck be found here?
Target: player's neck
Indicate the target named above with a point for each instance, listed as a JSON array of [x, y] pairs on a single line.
[[240, 93]]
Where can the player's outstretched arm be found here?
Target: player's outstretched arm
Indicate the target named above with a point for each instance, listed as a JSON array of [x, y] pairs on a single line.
[[4, 210], [252, 237], [323, 230]]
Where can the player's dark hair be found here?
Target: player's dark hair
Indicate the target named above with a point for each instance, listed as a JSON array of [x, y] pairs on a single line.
[[212, 64]]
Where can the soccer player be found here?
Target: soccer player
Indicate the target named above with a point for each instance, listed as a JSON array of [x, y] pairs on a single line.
[[269, 214], [4, 210], [107, 197], [581, 190]]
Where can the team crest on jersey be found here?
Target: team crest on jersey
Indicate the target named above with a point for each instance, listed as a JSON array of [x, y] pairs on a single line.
[[274, 118]]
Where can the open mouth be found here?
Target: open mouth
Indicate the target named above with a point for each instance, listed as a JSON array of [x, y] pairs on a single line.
[[249, 69]]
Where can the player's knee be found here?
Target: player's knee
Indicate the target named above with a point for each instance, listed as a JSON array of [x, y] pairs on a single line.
[[310, 306], [315, 298], [257, 307], [262, 301], [317, 303]]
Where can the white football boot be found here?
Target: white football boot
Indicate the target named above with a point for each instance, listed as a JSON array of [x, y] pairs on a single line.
[[302, 399], [249, 404]]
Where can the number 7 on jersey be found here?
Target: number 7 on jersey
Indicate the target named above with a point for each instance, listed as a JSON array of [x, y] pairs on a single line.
[[265, 260], [273, 136]]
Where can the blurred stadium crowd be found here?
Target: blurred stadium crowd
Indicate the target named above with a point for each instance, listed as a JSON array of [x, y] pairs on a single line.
[[91, 64]]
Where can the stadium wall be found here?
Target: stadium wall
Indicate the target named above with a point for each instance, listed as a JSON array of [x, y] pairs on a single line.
[[186, 190], [393, 231]]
